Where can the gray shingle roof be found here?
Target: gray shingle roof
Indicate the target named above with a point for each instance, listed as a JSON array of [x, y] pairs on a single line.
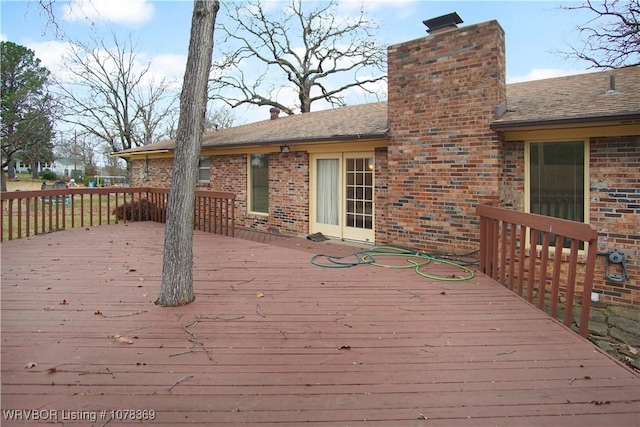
[[345, 123], [341, 123], [579, 97]]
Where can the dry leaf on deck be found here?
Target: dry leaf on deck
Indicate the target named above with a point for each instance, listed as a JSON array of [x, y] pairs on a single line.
[[123, 339]]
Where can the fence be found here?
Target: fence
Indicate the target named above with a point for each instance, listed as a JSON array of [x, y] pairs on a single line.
[[28, 213], [516, 251]]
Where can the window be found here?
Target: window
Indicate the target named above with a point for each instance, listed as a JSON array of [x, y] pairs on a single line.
[[259, 183], [557, 180], [204, 169]]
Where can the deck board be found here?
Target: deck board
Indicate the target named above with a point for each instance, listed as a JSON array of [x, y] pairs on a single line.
[[279, 341]]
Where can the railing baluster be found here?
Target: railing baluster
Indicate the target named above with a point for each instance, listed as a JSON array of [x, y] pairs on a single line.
[[544, 254], [50, 215], [592, 252], [571, 282], [11, 219], [533, 235], [503, 254], [522, 225], [73, 219], [555, 282], [28, 216], [19, 219], [214, 210], [44, 216], [521, 259], [81, 210], [512, 254]]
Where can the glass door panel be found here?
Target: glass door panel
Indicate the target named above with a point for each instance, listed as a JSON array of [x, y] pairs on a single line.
[[327, 191], [326, 195], [359, 197]]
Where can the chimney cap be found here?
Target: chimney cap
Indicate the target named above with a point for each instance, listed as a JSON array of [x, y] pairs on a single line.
[[450, 20]]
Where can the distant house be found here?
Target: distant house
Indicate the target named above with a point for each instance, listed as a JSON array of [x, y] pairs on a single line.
[[452, 135], [24, 167], [64, 167]]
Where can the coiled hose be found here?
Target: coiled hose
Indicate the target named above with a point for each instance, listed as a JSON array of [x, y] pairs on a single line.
[[415, 259]]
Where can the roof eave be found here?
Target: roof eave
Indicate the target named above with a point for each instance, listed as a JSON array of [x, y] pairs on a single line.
[[128, 153], [626, 118], [300, 141]]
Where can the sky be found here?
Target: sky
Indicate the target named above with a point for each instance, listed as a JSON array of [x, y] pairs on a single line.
[[536, 31]]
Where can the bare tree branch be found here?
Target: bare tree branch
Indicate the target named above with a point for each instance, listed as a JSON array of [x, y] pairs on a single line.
[[155, 103], [108, 94], [611, 37], [306, 53]]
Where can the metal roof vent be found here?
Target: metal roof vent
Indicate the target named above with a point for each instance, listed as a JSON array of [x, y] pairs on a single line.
[[443, 22], [612, 85]]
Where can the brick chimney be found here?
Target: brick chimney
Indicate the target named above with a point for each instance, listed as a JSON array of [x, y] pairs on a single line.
[[275, 112], [442, 93]]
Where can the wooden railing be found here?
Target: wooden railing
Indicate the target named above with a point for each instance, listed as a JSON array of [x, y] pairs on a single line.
[[516, 251], [28, 213]]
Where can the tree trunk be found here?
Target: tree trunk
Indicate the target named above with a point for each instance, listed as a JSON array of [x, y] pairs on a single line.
[[11, 169], [177, 272], [35, 172]]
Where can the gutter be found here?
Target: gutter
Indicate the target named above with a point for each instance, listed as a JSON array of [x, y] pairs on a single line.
[[300, 141], [628, 118], [275, 143], [129, 154]]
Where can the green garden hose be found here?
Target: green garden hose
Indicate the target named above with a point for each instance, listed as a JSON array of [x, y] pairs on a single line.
[[415, 260]]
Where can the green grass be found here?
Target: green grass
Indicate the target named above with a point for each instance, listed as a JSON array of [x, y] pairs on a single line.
[[84, 212]]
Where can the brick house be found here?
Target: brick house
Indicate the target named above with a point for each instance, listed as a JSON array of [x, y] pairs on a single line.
[[452, 135]]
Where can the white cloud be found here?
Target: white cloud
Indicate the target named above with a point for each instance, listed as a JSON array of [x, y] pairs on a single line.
[[3, 37], [116, 11], [170, 65], [543, 73], [50, 53], [167, 66], [398, 9]]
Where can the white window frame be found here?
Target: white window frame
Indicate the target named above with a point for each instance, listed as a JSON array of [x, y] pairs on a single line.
[[206, 166]]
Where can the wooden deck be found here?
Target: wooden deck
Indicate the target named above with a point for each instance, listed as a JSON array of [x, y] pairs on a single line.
[[274, 340]]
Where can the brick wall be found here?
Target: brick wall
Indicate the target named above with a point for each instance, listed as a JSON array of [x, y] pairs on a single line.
[[151, 173], [614, 202], [614, 172], [289, 193], [443, 89], [512, 175], [381, 194], [288, 182]]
